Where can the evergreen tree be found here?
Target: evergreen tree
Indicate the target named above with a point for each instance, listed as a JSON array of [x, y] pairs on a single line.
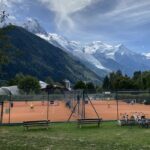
[[106, 83], [80, 85], [90, 86]]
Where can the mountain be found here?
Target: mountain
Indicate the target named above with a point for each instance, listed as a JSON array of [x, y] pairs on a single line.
[[76, 49], [100, 57], [120, 58], [32, 55]]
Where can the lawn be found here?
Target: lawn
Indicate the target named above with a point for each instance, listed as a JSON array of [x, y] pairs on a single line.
[[66, 136]]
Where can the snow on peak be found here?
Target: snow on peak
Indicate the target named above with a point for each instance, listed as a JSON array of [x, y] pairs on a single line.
[[98, 47], [75, 42], [32, 25], [58, 41], [61, 42], [123, 50], [57, 38], [147, 55]]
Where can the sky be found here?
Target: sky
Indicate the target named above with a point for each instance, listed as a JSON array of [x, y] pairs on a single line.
[[112, 21]]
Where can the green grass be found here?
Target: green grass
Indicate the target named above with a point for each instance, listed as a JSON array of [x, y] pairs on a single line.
[[63, 136]]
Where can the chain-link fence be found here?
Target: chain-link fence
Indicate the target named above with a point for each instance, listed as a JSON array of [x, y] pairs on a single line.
[[70, 106], [133, 103]]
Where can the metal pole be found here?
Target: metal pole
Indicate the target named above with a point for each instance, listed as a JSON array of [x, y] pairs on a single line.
[[117, 106], [93, 106], [72, 112], [78, 107], [48, 107], [78, 101], [83, 105], [141, 82], [9, 107], [2, 109]]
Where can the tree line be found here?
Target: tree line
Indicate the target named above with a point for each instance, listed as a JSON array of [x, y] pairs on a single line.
[[113, 81], [118, 81]]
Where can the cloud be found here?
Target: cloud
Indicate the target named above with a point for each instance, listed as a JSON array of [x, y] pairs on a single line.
[[9, 6], [9, 3], [131, 9], [64, 9], [113, 17], [87, 20]]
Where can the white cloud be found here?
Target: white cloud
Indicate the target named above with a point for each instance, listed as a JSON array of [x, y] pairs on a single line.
[[135, 11], [64, 9], [9, 3]]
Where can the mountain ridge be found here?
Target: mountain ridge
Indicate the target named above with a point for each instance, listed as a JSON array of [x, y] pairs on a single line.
[[116, 54]]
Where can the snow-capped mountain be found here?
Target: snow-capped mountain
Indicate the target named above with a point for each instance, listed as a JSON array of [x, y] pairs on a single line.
[[76, 49], [98, 56], [100, 47], [101, 57]]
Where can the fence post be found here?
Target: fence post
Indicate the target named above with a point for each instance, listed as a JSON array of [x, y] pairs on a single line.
[[10, 106], [78, 101], [83, 105], [48, 107], [2, 110], [116, 97]]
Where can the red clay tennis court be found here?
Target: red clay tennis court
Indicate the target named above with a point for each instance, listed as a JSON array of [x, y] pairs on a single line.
[[59, 112]]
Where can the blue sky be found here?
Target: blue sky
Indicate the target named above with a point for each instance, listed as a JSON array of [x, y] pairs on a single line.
[[111, 21]]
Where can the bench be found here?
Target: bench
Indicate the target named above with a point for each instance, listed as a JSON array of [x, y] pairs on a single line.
[[89, 121], [39, 123]]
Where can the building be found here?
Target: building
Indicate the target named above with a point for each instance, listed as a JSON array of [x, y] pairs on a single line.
[[14, 90], [67, 84]]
